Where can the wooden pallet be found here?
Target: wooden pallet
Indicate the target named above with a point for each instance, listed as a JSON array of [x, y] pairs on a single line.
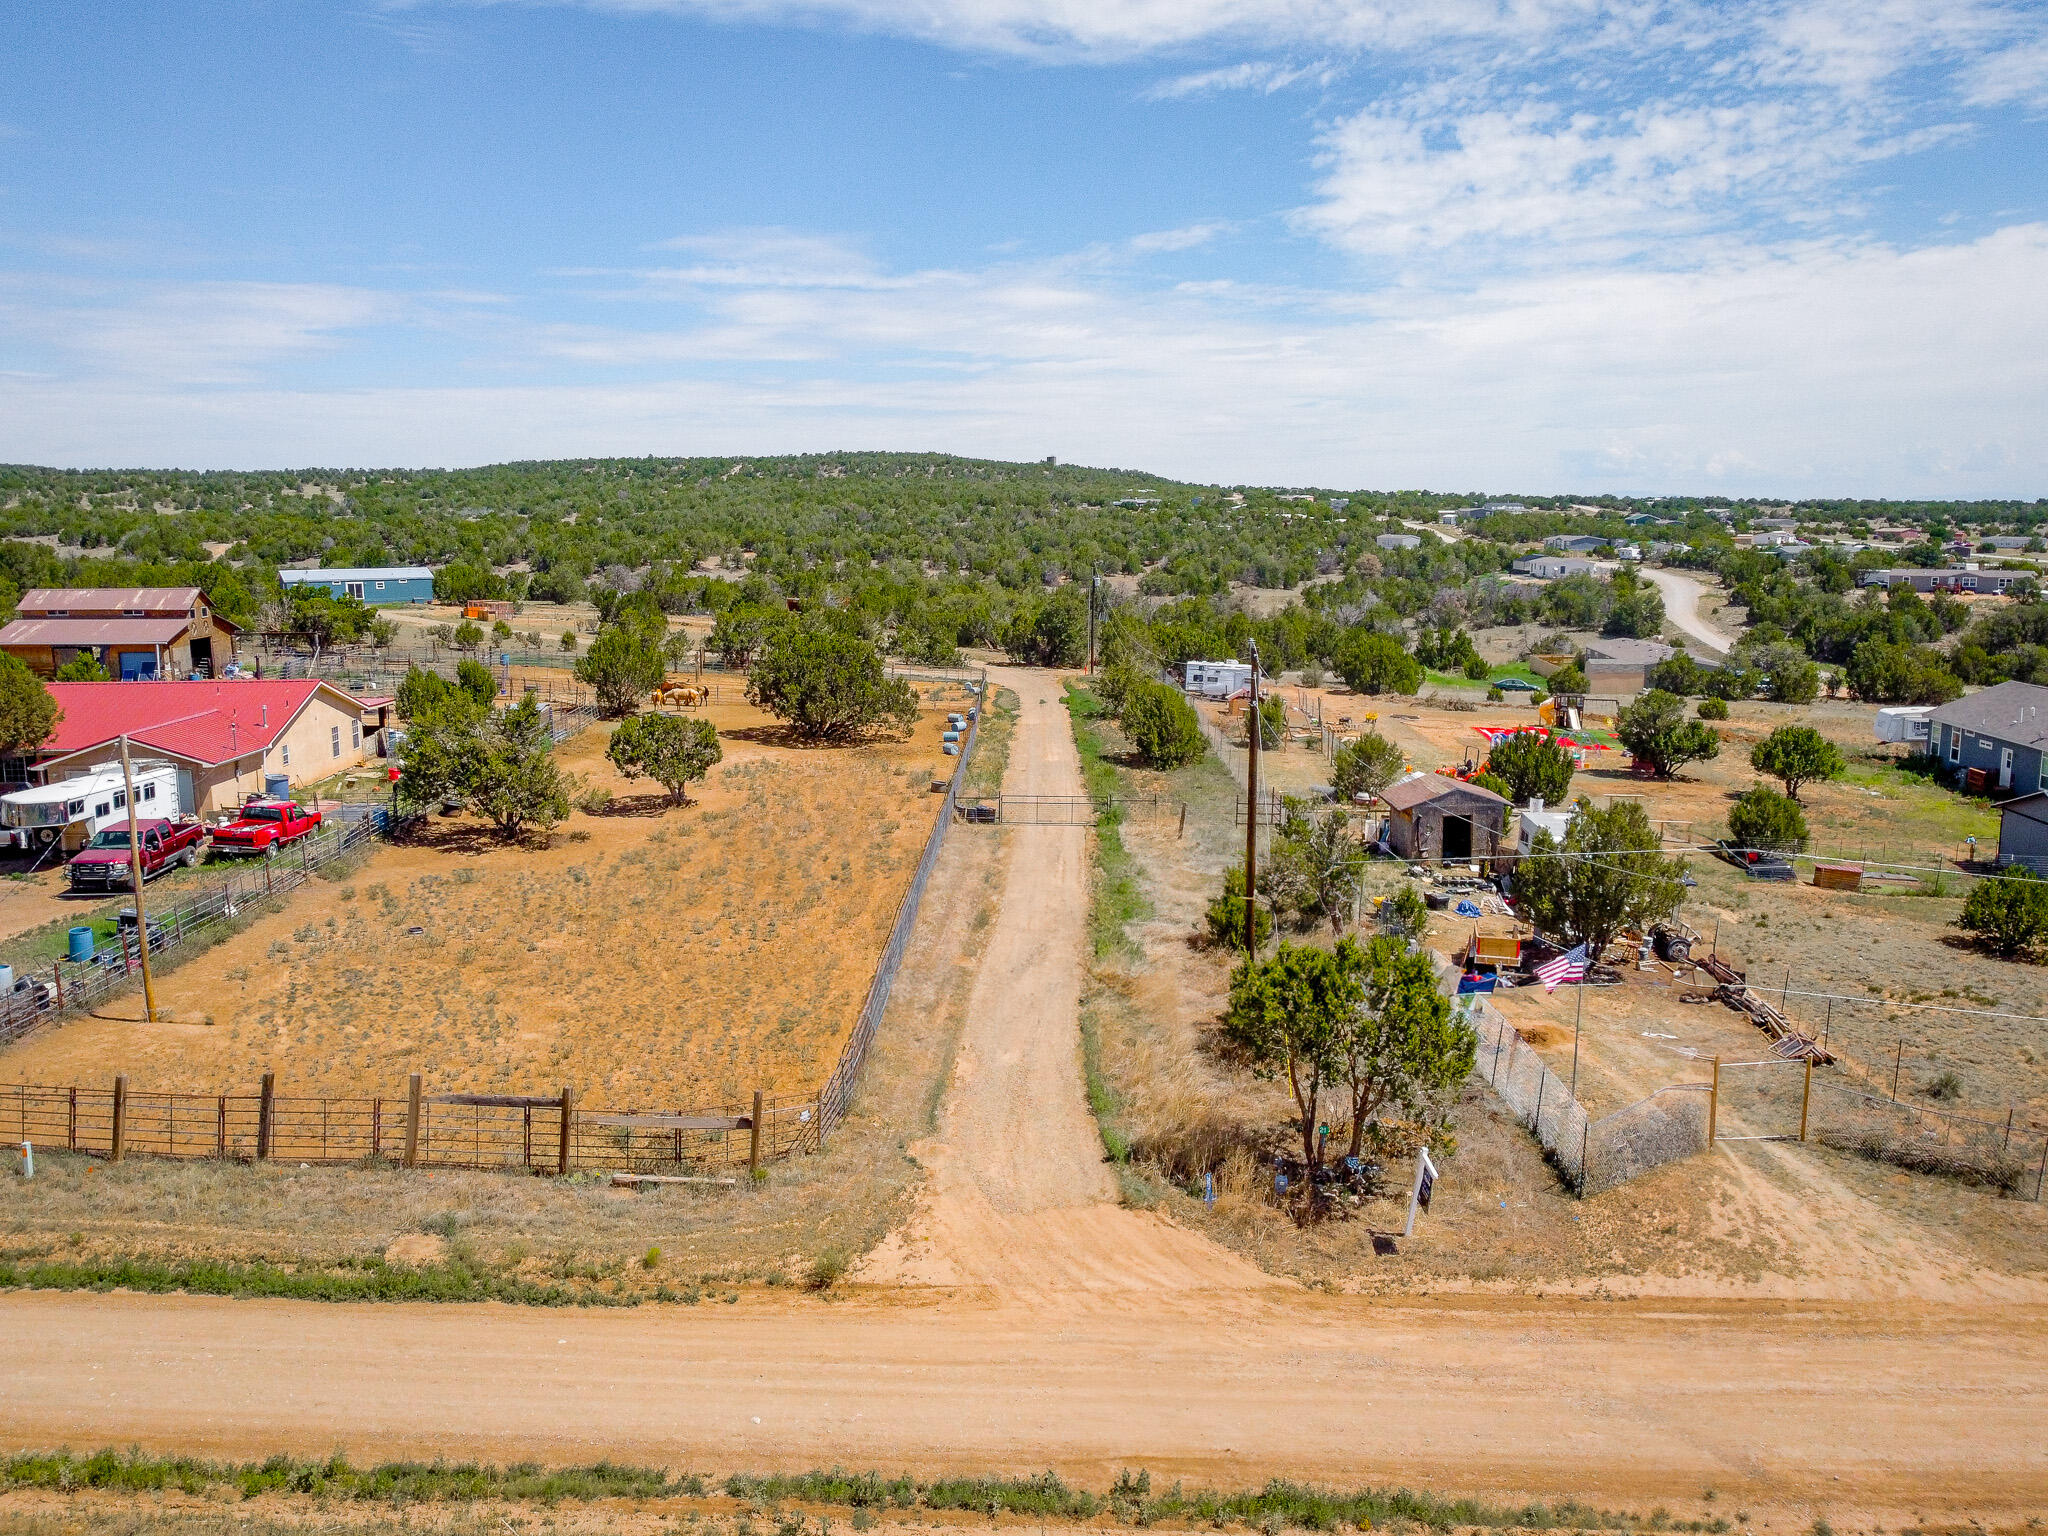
[[1787, 1040]]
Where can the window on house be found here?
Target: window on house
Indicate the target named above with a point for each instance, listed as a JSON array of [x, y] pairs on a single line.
[[337, 741], [148, 792], [355, 733], [103, 809], [380, 586], [120, 799], [1955, 745], [284, 757], [132, 613], [59, 613]]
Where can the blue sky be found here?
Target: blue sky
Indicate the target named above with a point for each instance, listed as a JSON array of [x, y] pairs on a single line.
[[1798, 247]]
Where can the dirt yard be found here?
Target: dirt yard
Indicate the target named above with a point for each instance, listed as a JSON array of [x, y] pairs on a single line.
[[1754, 1218], [652, 956]]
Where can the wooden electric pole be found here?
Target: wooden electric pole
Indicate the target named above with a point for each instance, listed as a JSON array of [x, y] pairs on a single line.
[[1251, 820], [135, 878]]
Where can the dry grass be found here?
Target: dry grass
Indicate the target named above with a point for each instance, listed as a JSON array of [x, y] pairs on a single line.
[[653, 956], [574, 1232]]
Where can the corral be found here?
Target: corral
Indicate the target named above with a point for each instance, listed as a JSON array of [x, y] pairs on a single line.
[[653, 956]]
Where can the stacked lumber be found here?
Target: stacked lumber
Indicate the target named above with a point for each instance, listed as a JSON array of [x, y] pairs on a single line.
[[1789, 1041]]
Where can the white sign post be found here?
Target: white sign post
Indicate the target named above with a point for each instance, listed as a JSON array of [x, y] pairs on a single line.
[[1418, 1195]]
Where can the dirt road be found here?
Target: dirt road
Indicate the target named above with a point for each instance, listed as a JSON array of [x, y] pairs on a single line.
[[1020, 1197], [1682, 594], [1023, 1321]]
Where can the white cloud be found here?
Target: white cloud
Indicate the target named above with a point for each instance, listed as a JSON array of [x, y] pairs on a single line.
[[1186, 238], [1815, 369], [2018, 74], [189, 333], [1263, 77]]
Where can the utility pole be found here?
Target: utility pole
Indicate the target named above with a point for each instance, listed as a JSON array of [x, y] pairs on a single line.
[[135, 876], [1092, 579], [1251, 820]]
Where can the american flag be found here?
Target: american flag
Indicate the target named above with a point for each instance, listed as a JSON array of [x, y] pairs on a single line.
[[1570, 966]]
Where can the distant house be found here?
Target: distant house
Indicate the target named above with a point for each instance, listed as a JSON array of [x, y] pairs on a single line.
[[1501, 506], [1399, 540], [1621, 666], [1438, 817], [1962, 579], [1995, 740], [1217, 679], [135, 632], [1574, 543], [2010, 541], [1550, 567], [224, 738], [376, 585]]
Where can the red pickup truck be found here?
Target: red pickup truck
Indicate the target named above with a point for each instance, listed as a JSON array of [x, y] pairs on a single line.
[[102, 865], [264, 826]]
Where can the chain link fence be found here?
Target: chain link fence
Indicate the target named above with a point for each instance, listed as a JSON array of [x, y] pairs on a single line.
[[838, 1092]]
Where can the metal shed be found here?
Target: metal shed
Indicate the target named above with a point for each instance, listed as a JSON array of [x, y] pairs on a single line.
[[1437, 817]]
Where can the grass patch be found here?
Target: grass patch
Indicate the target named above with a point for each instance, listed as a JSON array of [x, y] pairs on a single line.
[[373, 1280], [992, 740], [1119, 895], [391, 1482], [1130, 1500]]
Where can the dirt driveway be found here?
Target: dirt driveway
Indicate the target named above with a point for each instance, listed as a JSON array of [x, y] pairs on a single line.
[[1022, 1321]]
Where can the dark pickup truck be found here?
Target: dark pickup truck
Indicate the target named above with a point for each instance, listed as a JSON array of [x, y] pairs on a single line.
[[1758, 863], [102, 865]]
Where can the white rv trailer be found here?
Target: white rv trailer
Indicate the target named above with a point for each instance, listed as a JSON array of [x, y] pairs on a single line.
[[72, 810]]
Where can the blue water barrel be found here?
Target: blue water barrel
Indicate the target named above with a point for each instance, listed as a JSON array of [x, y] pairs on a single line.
[[951, 749], [950, 736], [81, 944], [277, 786]]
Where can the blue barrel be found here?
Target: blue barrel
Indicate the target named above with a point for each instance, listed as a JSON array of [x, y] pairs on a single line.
[[81, 944]]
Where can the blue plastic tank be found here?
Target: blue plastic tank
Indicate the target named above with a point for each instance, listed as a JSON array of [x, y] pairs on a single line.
[[81, 944]]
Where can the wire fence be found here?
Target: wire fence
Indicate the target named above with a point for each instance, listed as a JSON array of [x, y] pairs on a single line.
[[453, 1130], [79, 986], [480, 1131], [839, 1088], [1539, 1098]]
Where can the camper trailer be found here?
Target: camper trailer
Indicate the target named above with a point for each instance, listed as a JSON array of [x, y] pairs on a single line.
[[1910, 723], [70, 811]]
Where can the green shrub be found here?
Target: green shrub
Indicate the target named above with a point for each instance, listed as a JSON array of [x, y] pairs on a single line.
[[1225, 917], [1763, 818], [2008, 913], [1713, 709], [1531, 764], [1161, 726]]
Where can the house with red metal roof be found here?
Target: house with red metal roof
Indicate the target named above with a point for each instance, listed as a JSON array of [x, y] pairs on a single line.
[[224, 737], [136, 632]]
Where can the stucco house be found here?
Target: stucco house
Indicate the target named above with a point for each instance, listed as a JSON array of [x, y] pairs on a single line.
[[223, 737]]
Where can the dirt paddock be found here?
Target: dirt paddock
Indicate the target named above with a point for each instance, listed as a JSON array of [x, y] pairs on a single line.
[[653, 955]]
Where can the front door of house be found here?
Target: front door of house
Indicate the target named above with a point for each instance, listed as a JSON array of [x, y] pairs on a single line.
[[2005, 768]]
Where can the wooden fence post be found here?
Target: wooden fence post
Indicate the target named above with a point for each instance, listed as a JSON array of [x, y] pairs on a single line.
[[266, 1107], [220, 1126], [1806, 1098], [1714, 1103], [568, 1119], [412, 1121], [119, 1140], [754, 1140]]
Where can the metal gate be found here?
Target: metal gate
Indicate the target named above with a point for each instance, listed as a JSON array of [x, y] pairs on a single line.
[[1064, 810]]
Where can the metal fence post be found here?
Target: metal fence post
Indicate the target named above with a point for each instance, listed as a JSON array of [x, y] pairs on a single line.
[[1714, 1104]]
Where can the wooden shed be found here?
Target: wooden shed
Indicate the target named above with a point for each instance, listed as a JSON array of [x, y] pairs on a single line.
[[1437, 817]]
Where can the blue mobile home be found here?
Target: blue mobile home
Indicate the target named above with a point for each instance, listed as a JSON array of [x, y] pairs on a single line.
[[374, 585]]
